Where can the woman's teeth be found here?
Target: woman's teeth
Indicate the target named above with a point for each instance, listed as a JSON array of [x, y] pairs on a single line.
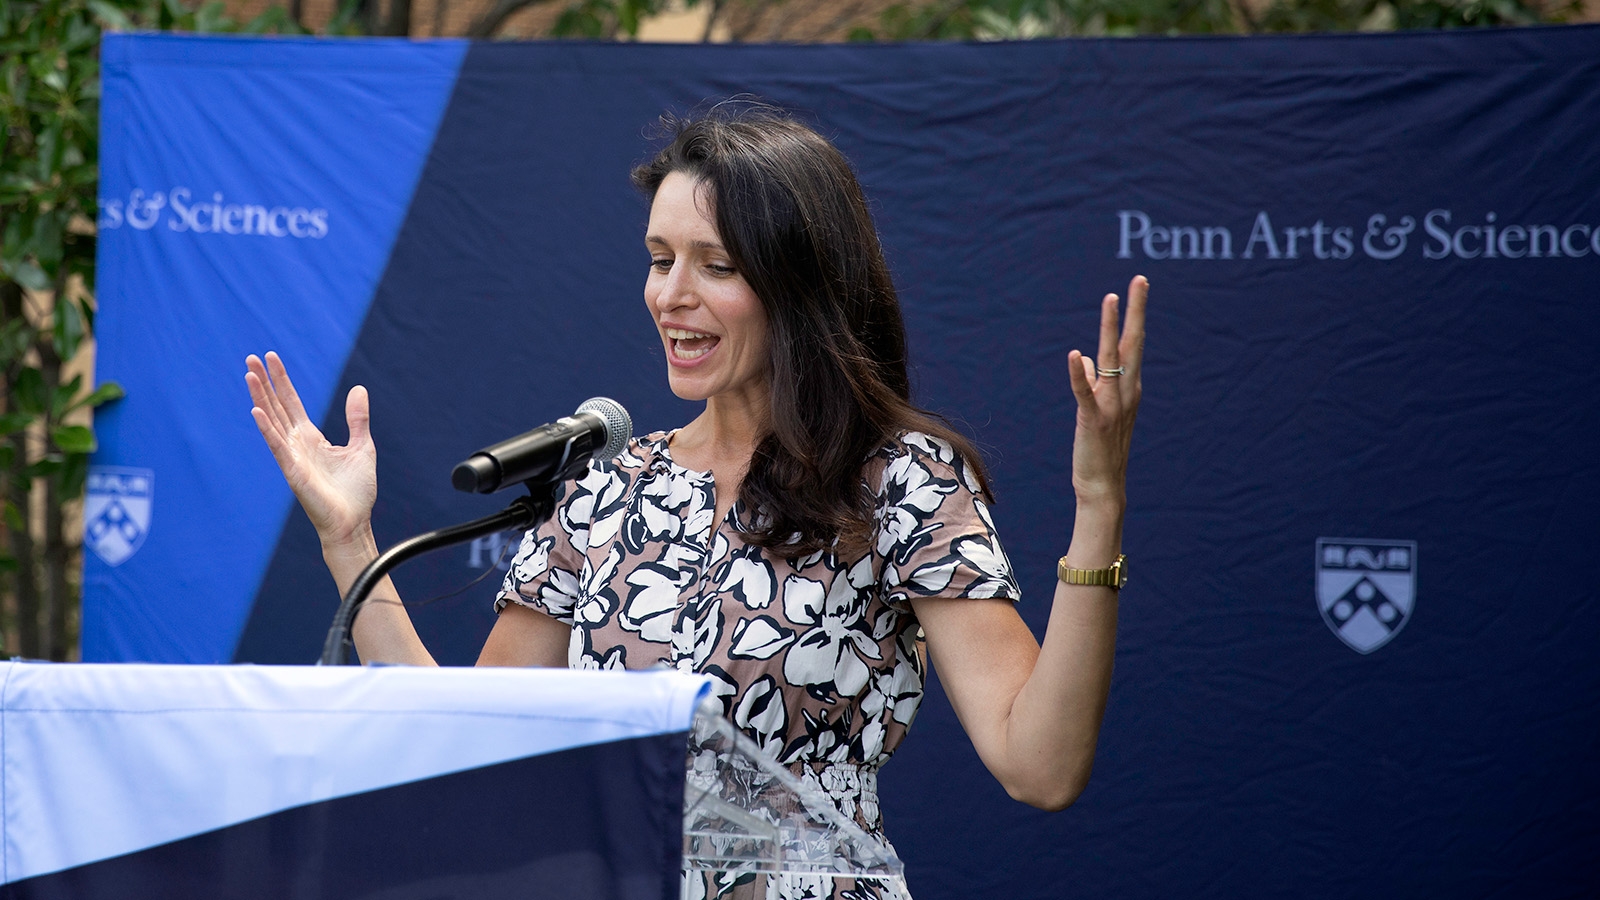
[[690, 344]]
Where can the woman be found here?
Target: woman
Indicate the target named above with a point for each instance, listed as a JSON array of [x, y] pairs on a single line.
[[796, 538]]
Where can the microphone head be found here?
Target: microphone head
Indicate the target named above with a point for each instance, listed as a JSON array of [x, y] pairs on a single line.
[[618, 425]]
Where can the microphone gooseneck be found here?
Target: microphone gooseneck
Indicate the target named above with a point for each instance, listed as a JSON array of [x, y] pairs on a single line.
[[523, 513], [539, 460]]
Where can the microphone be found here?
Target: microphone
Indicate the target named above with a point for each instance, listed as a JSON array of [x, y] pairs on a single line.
[[550, 453]]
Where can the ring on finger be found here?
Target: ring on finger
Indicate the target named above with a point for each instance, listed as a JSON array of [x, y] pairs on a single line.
[[1110, 373]]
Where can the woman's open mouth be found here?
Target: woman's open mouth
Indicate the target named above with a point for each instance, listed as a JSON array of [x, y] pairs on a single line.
[[688, 345]]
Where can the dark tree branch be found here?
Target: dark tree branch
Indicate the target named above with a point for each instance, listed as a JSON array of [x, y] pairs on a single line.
[[711, 20], [487, 24], [783, 14], [1247, 19], [398, 24], [848, 12], [18, 492], [57, 595], [24, 579], [939, 17]]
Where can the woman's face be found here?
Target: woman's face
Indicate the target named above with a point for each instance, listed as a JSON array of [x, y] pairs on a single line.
[[711, 323]]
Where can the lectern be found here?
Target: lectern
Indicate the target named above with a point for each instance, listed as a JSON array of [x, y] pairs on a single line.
[[390, 783]]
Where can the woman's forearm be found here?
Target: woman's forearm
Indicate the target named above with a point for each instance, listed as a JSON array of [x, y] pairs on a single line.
[[1054, 722], [382, 630]]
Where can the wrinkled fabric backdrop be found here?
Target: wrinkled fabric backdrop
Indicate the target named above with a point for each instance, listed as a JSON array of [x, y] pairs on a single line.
[[1357, 648]]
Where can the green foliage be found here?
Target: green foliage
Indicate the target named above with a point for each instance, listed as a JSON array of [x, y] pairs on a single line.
[[1022, 19], [13, 519], [174, 15], [49, 117], [608, 18], [49, 106]]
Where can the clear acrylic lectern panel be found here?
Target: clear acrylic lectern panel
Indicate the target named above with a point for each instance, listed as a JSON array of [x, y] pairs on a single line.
[[743, 812]]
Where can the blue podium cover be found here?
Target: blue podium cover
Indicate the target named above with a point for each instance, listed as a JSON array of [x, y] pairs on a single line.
[[275, 781], [1357, 650]]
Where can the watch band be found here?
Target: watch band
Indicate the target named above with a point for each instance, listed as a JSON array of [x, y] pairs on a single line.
[[1113, 576]]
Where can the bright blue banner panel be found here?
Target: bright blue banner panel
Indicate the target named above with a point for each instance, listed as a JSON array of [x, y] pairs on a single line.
[[1356, 654], [250, 193]]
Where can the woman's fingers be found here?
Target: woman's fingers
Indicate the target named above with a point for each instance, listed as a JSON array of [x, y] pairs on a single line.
[[255, 378], [1080, 370], [283, 388], [1121, 347], [278, 446], [1109, 333], [265, 393], [269, 428], [261, 395], [335, 485], [269, 433], [1107, 403], [1131, 344], [358, 416]]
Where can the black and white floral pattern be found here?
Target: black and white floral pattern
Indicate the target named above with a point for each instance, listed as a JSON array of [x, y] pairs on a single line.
[[816, 658]]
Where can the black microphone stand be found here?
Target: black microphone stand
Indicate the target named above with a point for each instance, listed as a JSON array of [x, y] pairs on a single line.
[[522, 514]]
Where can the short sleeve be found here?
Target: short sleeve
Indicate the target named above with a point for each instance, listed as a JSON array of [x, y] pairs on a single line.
[[548, 570], [934, 532], [544, 574]]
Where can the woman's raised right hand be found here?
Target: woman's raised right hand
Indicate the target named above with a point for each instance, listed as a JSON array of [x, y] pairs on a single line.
[[335, 485]]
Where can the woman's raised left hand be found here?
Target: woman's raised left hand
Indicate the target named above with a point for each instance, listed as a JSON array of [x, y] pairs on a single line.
[[1033, 711], [1108, 390]]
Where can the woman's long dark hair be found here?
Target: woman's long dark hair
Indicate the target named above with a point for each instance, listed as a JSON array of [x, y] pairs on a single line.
[[795, 223]]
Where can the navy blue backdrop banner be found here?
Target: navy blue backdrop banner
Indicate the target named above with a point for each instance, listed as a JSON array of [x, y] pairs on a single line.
[[1357, 653]]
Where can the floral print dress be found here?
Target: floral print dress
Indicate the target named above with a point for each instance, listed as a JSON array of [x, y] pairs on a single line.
[[814, 658]]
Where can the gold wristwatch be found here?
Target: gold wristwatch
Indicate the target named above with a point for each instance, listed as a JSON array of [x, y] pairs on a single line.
[[1113, 576]]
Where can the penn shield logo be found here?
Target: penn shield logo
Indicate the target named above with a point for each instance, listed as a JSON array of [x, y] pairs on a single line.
[[116, 511], [1366, 589]]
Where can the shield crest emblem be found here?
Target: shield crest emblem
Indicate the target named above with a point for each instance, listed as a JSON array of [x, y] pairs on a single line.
[[116, 511], [1366, 589]]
